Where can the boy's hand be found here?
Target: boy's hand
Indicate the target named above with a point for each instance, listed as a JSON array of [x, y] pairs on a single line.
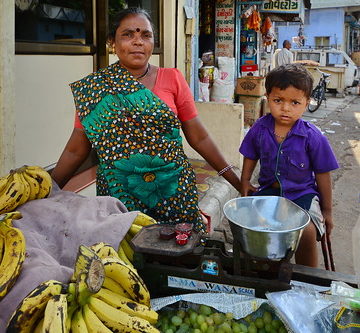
[[328, 222], [246, 188]]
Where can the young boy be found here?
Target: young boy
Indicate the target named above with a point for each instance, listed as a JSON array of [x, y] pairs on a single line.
[[295, 158]]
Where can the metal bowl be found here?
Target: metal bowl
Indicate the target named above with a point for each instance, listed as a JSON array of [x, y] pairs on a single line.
[[267, 227]]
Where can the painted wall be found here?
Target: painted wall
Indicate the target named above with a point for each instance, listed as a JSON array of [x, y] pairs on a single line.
[[322, 22], [44, 107]]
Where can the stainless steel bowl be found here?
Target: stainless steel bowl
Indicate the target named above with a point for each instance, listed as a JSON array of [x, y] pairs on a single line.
[[267, 227]]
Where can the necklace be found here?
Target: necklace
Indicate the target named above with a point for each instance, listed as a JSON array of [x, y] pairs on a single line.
[[280, 136], [146, 73]]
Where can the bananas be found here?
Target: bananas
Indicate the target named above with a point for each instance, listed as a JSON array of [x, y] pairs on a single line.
[[55, 314], [23, 184], [128, 306], [12, 253], [78, 324], [117, 320], [143, 220], [129, 279], [125, 251], [104, 295], [31, 309]]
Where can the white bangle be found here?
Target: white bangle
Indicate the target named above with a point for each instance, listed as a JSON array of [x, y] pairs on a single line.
[[227, 168]]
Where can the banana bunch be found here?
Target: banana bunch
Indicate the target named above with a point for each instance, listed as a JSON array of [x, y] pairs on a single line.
[[121, 304], [12, 252], [23, 184], [125, 252], [104, 295], [44, 309]]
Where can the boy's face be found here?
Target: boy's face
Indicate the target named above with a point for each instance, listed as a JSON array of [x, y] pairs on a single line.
[[287, 106]]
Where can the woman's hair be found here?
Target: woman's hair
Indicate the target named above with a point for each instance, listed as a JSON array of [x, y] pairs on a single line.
[[288, 75], [124, 14]]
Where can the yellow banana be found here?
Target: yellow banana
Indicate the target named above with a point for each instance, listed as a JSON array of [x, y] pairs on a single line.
[[55, 314], [11, 196], [127, 305], [3, 183], [93, 323], [2, 245], [26, 188], [78, 324], [72, 304], [39, 326], [104, 250], [115, 287], [13, 257], [8, 217], [128, 278], [117, 320], [88, 262], [123, 257], [143, 220], [43, 178], [33, 305], [134, 229], [34, 185], [127, 249]]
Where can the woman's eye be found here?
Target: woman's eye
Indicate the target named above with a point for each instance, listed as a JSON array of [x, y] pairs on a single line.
[[296, 102], [277, 100], [148, 35]]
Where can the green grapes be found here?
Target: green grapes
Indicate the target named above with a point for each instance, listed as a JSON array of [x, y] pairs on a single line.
[[205, 319]]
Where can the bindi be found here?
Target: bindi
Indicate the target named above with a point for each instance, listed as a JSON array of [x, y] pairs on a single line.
[[137, 29]]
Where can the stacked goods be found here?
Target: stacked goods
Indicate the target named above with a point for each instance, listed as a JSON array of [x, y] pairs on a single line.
[[208, 320], [22, 185], [250, 91], [12, 252], [105, 294]]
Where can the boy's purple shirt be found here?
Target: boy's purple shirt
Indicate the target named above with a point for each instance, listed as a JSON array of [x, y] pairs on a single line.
[[292, 163]]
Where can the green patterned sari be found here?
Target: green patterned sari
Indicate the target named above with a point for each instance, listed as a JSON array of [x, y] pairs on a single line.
[[139, 146]]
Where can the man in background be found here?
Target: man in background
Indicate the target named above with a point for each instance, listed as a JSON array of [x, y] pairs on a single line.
[[284, 56]]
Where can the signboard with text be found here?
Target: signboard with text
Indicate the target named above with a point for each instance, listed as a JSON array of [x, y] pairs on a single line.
[[224, 28], [281, 6]]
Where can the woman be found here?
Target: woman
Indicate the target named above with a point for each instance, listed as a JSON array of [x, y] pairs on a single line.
[[131, 112]]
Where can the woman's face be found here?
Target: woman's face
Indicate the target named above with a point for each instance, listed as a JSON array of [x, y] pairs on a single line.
[[134, 41]]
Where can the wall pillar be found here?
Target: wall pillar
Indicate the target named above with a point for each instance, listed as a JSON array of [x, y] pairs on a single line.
[[7, 83]]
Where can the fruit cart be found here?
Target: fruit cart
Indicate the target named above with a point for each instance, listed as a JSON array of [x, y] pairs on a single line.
[[205, 263]]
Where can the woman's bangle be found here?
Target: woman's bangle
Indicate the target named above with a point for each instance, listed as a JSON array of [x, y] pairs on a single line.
[[227, 168]]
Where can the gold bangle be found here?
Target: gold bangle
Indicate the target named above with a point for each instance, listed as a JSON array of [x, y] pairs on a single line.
[[227, 168]]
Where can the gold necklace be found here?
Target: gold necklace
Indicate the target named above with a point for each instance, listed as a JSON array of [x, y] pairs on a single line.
[[280, 136], [145, 73]]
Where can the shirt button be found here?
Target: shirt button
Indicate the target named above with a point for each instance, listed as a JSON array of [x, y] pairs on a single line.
[[302, 165], [281, 152], [278, 173]]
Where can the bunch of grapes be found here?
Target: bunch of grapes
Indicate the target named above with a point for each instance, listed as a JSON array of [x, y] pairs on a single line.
[[207, 320]]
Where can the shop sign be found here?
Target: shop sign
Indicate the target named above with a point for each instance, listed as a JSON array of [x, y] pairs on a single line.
[[224, 28], [281, 6]]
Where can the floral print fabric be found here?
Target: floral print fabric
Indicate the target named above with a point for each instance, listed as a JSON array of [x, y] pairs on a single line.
[[138, 142]]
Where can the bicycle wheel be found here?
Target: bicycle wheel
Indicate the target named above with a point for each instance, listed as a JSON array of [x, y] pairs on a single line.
[[316, 98]]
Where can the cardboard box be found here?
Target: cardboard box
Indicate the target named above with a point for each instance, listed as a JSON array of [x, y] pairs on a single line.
[[251, 86], [252, 108]]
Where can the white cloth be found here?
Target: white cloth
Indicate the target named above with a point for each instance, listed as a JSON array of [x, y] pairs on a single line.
[[53, 229], [283, 57]]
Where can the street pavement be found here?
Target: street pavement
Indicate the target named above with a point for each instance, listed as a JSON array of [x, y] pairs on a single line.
[[339, 120]]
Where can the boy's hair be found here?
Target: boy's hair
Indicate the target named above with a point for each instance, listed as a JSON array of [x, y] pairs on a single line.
[[288, 75]]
